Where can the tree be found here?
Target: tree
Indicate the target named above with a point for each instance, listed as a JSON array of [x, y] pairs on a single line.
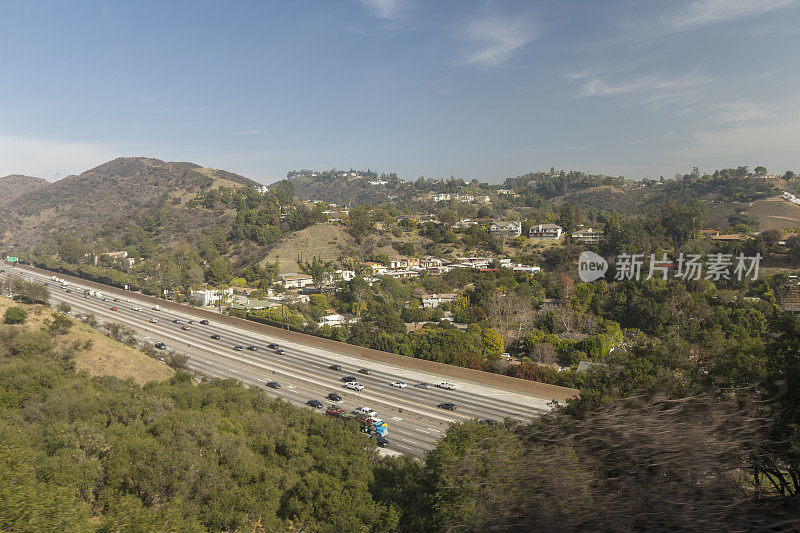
[[218, 272], [15, 315], [59, 325], [493, 344], [63, 307], [360, 221], [567, 218], [760, 171]]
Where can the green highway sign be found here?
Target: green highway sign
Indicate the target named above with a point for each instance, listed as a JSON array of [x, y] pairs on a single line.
[[12, 259]]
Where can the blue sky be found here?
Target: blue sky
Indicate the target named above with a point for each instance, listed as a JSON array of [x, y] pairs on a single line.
[[484, 89]]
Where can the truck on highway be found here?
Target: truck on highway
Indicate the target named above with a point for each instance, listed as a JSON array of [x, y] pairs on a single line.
[[156, 308]]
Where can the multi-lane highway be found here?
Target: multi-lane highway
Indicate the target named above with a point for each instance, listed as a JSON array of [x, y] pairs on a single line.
[[303, 372]]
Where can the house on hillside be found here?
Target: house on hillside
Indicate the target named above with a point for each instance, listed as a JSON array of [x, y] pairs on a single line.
[[296, 281], [374, 268], [332, 320], [506, 229], [588, 236], [550, 232], [210, 297], [709, 233], [404, 263], [435, 300]]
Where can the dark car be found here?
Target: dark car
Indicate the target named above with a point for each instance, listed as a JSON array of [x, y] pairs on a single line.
[[314, 403], [273, 346], [381, 441], [335, 367], [160, 345], [215, 337], [366, 371], [422, 386], [176, 321], [238, 348], [334, 397], [279, 352], [185, 327], [252, 348], [190, 322], [348, 379], [69, 290], [204, 322], [447, 405], [274, 385], [116, 299]]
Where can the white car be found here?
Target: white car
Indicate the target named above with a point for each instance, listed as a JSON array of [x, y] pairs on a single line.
[[135, 308], [153, 321], [446, 385], [399, 384], [354, 385], [365, 411]]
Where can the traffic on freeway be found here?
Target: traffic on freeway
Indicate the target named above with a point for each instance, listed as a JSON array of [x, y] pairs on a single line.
[[416, 406]]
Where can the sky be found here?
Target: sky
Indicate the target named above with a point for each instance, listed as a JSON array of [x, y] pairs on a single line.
[[471, 88]]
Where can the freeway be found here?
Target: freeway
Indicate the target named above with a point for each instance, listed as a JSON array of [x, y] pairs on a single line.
[[304, 373]]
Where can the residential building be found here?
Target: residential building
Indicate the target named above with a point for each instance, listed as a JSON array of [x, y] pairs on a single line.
[[404, 263], [375, 268], [506, 229], [483, 199], [546, 232], [332, 320], [296, 281], [588, 236], [399, 274], [435, 300], [210, 297], [709, 233]]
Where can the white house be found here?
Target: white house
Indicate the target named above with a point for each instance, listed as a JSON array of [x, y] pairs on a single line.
[[209, 297], [588, 236], [403, 263], [546, 231], [296, 281], [332, 320], [435, 300], [506, 229], [376, 268]]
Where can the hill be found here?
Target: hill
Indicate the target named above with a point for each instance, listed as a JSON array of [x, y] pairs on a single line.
[[105, 200], [345, 189], [16, 185]]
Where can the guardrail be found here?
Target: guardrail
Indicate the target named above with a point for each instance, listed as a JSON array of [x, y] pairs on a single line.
[[533, 388]]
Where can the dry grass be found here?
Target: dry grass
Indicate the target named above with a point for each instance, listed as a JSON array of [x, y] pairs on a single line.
[[326, 241], [106, 357]]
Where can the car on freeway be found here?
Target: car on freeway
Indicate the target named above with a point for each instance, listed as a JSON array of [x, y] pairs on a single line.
[[399, 384], [69, 290], [348, 379], [354, 385], [105, 299], [273, 346], [185, 327], [446, 385], [252, 348], [160, 345], [204, 322], [334, 397], [136, 308], [365, 411], [86, 296], [422, 386], [280, 352], [113, 309], [215, 337], [176, 321], [381, 441], [447, 405], [315, 404], [153, 321], [365, 371], [238, 348], [335, 367], [116, 299], [274, 385], [190, 322]]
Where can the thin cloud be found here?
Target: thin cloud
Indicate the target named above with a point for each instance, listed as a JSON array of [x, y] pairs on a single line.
[[492, 42], [653, 88], [385, 9], [704, 12], [248, 132]]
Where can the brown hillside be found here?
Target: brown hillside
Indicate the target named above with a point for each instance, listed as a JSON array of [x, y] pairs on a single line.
[[16, 185]]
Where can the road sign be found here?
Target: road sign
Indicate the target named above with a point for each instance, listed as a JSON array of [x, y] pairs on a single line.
[[11, 259]]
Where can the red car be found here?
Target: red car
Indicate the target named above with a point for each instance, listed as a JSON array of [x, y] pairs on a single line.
[[114, 309]]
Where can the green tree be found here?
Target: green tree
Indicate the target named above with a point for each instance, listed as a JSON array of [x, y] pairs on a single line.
[[492, 344], [15, 315], [360, 221]]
